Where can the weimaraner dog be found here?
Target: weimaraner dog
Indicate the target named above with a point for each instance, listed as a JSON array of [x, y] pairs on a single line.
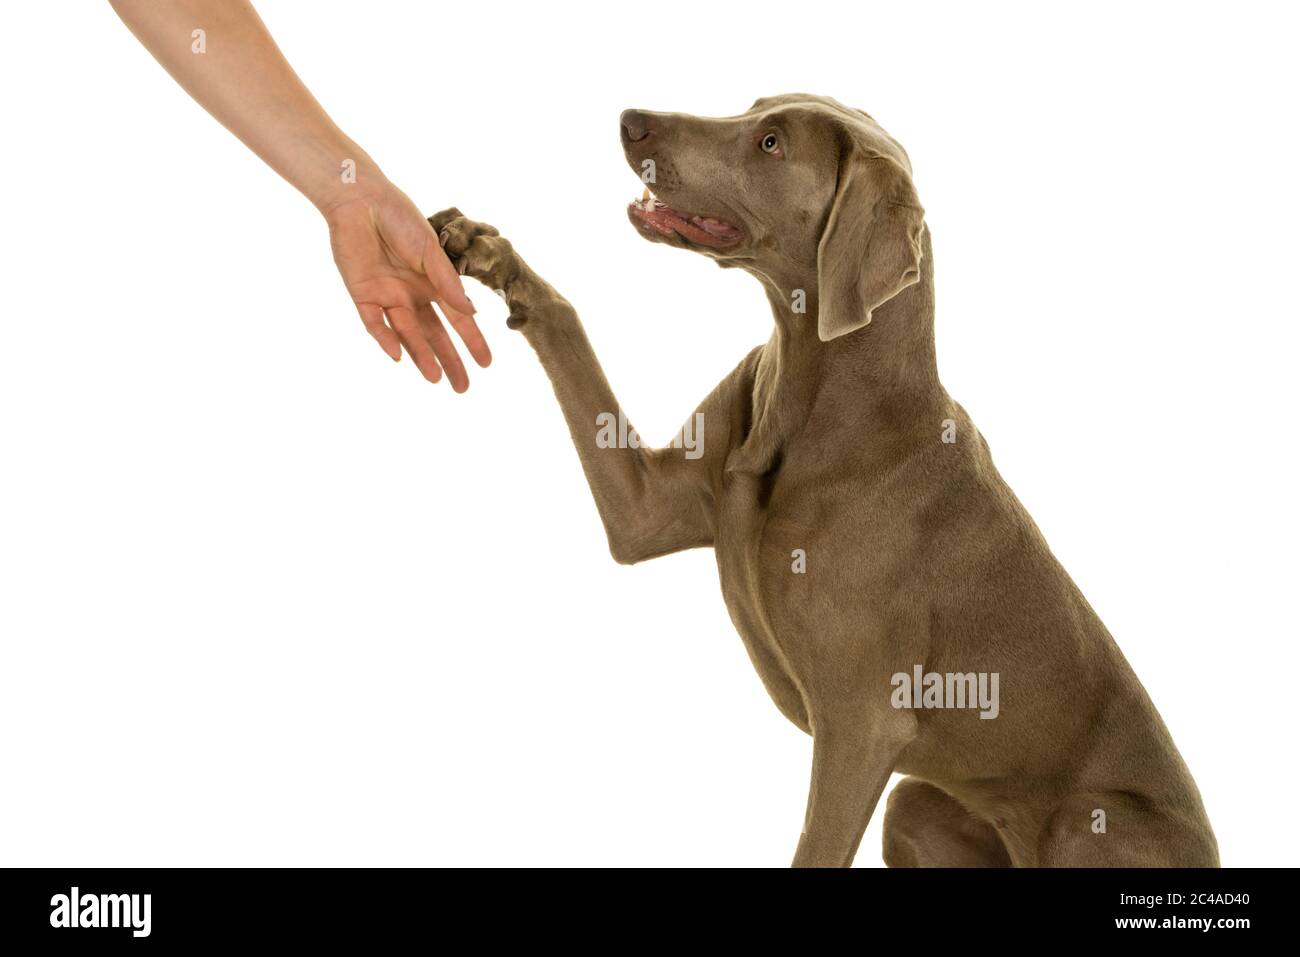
[[898, 602]]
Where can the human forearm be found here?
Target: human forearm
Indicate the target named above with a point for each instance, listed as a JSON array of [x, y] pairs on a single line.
[[244, 81], [385, 250]]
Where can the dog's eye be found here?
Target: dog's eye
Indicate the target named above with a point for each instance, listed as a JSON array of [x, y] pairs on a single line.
[[769, 143]]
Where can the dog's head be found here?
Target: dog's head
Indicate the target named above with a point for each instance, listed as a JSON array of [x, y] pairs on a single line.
[[798, 185]]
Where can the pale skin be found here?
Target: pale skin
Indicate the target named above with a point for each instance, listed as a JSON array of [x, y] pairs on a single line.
[[389, 258]]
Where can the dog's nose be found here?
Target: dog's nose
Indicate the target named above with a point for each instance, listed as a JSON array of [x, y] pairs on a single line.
[[635, 126]]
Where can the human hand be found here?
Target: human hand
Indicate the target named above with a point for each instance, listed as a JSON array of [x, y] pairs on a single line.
[[386, 251], [395, 270]]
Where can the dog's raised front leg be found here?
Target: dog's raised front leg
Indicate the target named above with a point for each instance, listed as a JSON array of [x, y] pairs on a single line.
[[853, 756], [651, 501]]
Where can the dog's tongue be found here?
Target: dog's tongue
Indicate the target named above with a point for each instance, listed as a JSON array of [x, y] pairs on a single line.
[[723, 231], [698, 229]]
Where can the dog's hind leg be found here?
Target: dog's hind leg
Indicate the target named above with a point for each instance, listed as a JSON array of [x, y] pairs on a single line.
[[651, 501], [926, 827], [1125, 829]]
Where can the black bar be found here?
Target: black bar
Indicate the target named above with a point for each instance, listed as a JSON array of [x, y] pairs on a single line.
[[373, 908]]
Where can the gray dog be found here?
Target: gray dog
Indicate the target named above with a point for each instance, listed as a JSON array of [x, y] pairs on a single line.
[[892, 592]]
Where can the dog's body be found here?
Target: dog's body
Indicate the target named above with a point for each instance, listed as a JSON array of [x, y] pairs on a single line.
[[860, 527]]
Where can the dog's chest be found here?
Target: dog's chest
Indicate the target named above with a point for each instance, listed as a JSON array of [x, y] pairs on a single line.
[[763, 553], [810, 573]]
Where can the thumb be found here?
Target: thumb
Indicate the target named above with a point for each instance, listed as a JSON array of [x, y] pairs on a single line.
[[437, 267]]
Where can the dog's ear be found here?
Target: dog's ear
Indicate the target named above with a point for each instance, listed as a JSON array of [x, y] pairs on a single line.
[[870, 250]]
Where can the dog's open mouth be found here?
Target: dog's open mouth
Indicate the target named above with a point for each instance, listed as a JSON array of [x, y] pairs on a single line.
[[651, 215]]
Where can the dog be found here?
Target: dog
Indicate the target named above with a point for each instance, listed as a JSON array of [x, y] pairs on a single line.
[[835, 446]]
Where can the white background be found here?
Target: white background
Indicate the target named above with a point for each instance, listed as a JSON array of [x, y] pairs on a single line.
[[269, 599]]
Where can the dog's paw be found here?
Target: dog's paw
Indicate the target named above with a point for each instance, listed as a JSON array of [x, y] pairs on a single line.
[[475, 249], [479, 251]]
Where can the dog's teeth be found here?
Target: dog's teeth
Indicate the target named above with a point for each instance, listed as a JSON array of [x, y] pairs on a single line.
[[645, 197]]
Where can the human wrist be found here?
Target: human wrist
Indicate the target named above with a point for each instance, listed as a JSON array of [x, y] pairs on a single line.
[[339, 172]]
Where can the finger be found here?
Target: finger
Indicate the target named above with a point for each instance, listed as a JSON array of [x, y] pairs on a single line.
[[469, 333], [403, 320], [443, 347], [372, 316], [437, 267]]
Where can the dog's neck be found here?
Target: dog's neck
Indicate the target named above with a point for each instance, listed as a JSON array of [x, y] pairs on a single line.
[[871, 388]]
